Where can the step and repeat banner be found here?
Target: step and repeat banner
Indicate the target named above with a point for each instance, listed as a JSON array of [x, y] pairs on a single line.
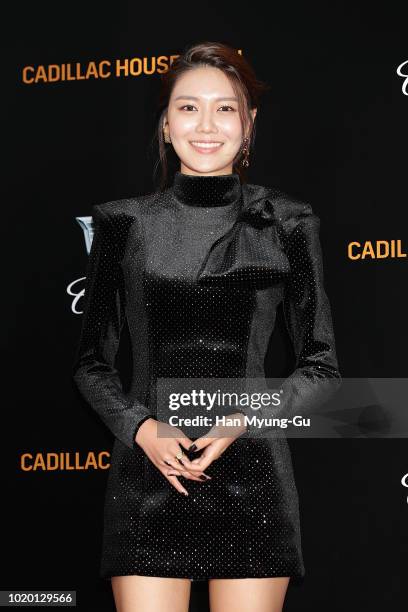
[[81, 88]]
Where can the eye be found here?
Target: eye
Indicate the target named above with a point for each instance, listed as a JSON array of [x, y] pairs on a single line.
[[188, 106]]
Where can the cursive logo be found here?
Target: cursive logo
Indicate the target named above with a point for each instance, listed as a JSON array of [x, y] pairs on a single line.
[[404, 482], [402, 71], [74, 288]]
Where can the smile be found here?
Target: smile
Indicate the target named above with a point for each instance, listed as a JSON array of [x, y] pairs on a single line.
[[205, 147]]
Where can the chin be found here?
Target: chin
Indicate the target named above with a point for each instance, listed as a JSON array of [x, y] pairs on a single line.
[[210, 167]]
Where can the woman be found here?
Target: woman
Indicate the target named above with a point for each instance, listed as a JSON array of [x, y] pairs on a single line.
[[197, 271]]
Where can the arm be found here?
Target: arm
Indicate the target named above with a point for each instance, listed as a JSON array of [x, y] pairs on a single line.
[[308, 320], [94, 371]]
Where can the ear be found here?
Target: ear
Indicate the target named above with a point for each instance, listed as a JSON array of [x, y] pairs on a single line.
[[165, 128]]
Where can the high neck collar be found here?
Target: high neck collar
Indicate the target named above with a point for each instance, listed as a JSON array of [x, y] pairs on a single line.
[[207, 190]]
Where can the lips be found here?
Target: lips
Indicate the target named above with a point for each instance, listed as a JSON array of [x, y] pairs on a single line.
[[205, 146]]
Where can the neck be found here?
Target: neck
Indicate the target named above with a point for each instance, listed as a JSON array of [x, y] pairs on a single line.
[[207, 190]]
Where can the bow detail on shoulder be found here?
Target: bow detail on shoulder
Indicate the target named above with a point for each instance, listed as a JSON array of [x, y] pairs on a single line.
[[258, 214], [249, 254]]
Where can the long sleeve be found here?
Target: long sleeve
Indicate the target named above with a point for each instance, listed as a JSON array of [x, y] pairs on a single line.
[[94, 371], [308, 320]]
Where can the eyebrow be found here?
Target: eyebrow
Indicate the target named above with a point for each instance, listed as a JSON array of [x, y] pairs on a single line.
[[195, 98]]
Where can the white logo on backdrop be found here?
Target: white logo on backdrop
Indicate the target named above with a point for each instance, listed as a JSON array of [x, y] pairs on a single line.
[[402, 71], [88, 228], [404, 482], [74, 288]]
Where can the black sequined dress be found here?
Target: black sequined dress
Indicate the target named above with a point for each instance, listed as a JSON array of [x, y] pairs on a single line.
[[197, 273]]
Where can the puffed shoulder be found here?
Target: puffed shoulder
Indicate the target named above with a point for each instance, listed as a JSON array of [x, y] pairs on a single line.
[[126, 205], [103, 212], [113, 207]]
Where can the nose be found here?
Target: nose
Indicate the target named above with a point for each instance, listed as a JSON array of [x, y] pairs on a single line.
[[206, 121]]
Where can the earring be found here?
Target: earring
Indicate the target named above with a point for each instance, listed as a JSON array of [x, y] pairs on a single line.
[[166, 137], [245, 153]]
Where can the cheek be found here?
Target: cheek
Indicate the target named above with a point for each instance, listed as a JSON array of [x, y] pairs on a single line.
[[181, 125], [231, 126]]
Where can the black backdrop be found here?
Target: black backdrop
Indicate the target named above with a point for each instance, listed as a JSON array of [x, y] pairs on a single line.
[[333, 130]]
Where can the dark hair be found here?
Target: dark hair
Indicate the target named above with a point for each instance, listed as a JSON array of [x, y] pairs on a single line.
[[239, 71]]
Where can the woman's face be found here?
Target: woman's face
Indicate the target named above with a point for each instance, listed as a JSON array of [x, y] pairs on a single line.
[[203, 109]]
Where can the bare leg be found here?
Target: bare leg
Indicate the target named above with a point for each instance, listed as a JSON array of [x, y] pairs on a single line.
[[151, 594], [247, 594]]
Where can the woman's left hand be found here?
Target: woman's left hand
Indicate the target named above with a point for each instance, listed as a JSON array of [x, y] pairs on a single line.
[[217, 440]]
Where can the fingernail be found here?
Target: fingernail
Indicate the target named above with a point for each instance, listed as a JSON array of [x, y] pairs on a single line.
[[193, 447], [185, 492], [202, 477]]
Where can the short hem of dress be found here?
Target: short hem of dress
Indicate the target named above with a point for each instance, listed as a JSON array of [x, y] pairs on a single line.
[[196, 577]]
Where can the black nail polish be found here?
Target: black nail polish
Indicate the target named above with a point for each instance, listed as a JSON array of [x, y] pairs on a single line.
[[193, 447], [203, 477]]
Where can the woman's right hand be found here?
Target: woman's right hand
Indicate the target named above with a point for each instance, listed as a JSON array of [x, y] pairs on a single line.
[[162, 451]]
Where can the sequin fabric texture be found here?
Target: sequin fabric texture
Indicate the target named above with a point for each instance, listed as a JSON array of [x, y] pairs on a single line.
[[197, 273]]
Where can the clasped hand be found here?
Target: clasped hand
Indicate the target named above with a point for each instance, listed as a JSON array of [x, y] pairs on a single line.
[[162, 450]]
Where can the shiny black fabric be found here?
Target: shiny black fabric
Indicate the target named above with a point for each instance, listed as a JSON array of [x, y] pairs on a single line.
[[197, 273]]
